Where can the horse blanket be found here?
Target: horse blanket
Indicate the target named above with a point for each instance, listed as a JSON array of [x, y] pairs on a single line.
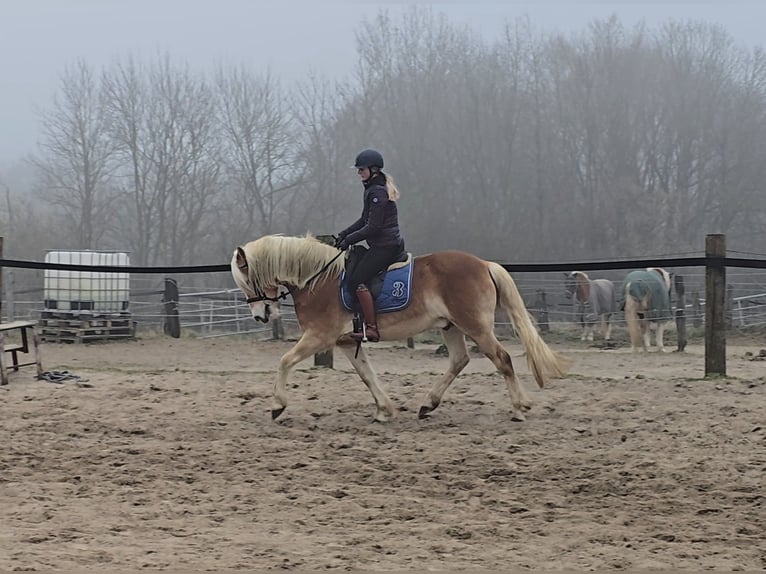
[[392, 294], [601, 299], [641, 283]]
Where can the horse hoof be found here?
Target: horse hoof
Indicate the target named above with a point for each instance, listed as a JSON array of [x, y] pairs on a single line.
[[518, 418], [276, 412], [424, 412]]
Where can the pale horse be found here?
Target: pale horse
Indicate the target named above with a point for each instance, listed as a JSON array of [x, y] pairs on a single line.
[[451, 290]]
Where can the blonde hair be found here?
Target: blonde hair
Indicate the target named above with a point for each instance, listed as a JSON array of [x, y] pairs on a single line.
[[393, 191]]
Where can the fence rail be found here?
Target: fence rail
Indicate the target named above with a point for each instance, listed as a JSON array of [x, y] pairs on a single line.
[[217, 312]]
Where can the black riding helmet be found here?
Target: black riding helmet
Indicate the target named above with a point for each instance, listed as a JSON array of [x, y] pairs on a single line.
[[369, 158]]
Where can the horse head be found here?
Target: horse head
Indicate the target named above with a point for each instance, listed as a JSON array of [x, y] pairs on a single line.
[[570, 285], [577, 284], [259, 298]]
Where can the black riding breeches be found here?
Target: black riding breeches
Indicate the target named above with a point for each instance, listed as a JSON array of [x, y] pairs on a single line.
[[374, 261]]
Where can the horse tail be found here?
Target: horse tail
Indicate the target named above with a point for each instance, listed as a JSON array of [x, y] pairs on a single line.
[[540, 358]]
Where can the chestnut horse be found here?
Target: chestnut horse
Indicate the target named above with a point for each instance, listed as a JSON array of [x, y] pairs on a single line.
[[451, 290], [596, 302]]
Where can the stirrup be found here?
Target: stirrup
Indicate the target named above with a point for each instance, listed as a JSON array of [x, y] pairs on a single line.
[[362, 337]]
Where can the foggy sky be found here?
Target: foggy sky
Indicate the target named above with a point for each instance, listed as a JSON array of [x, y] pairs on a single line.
[[289, 37]]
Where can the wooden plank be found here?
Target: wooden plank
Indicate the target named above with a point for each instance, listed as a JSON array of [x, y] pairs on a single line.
[[17, 325]]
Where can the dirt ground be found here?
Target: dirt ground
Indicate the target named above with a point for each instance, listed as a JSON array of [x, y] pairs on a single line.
[[166, 457]]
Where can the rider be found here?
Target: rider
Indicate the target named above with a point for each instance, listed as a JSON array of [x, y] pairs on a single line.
[[379, 225]]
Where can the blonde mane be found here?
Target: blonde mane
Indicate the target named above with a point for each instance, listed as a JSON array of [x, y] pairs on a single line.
[[277, 259]]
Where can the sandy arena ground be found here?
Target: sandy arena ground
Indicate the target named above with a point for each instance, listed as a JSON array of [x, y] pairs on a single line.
[[167, 458]]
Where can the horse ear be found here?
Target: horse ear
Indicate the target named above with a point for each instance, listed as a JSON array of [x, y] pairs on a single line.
[[241, 259]]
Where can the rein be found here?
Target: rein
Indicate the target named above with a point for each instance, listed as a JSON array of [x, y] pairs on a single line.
[[326, 267]]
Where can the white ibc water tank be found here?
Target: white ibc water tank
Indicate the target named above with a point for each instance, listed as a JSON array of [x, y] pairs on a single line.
[[86, 290]]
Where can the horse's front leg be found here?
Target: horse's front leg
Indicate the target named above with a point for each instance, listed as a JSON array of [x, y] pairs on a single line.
[[659, 337], [308, 344], [384, 408]]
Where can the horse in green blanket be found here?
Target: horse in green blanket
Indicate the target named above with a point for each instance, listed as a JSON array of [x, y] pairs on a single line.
[[645, 298]]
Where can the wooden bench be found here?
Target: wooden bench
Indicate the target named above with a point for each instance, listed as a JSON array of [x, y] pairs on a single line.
[[15, 348]]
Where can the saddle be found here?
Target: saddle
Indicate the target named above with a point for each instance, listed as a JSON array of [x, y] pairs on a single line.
[[390, 288]]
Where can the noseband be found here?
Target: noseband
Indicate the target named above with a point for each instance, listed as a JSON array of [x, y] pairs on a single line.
[[264, 297]]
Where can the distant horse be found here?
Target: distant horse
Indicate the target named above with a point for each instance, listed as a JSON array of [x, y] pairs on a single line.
[[451, 290], [645, 297], [596, 302]]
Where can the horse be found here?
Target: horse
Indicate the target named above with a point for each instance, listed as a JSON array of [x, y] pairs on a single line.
[[645, 298], [596, 302], [454, 291]]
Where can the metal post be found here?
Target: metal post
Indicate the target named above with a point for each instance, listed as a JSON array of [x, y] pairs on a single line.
[[680, 312]]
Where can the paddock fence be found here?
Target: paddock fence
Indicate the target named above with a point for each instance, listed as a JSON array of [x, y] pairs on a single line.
[[720, 292]]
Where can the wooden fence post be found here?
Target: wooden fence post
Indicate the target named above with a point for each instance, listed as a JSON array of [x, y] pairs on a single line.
[[680, 312], [277, 328], [715, 305], [172, 325], [324, 358], [540, 307]]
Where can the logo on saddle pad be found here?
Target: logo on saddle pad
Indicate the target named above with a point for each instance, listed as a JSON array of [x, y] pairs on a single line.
[[393, 295]]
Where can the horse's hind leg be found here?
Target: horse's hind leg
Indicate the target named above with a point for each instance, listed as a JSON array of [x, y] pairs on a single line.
[[496, 353], [458, 359], [607, 322], [384, 407]]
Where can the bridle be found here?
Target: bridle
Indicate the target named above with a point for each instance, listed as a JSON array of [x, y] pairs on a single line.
[[260, 295]]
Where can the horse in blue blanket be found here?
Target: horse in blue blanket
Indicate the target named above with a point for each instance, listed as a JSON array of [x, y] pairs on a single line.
[[645, 298]]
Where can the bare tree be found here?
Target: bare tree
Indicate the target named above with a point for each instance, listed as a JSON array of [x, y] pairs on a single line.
[[162, 118], [323, 158], [258, 146], [75, 161]]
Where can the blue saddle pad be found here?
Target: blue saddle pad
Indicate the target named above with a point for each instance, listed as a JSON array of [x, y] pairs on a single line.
[[394, 295]]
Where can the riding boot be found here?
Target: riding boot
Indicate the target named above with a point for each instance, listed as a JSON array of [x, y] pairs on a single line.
[[368, 311]]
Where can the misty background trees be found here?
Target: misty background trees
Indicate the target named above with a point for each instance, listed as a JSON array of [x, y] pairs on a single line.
[[536, 147]]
